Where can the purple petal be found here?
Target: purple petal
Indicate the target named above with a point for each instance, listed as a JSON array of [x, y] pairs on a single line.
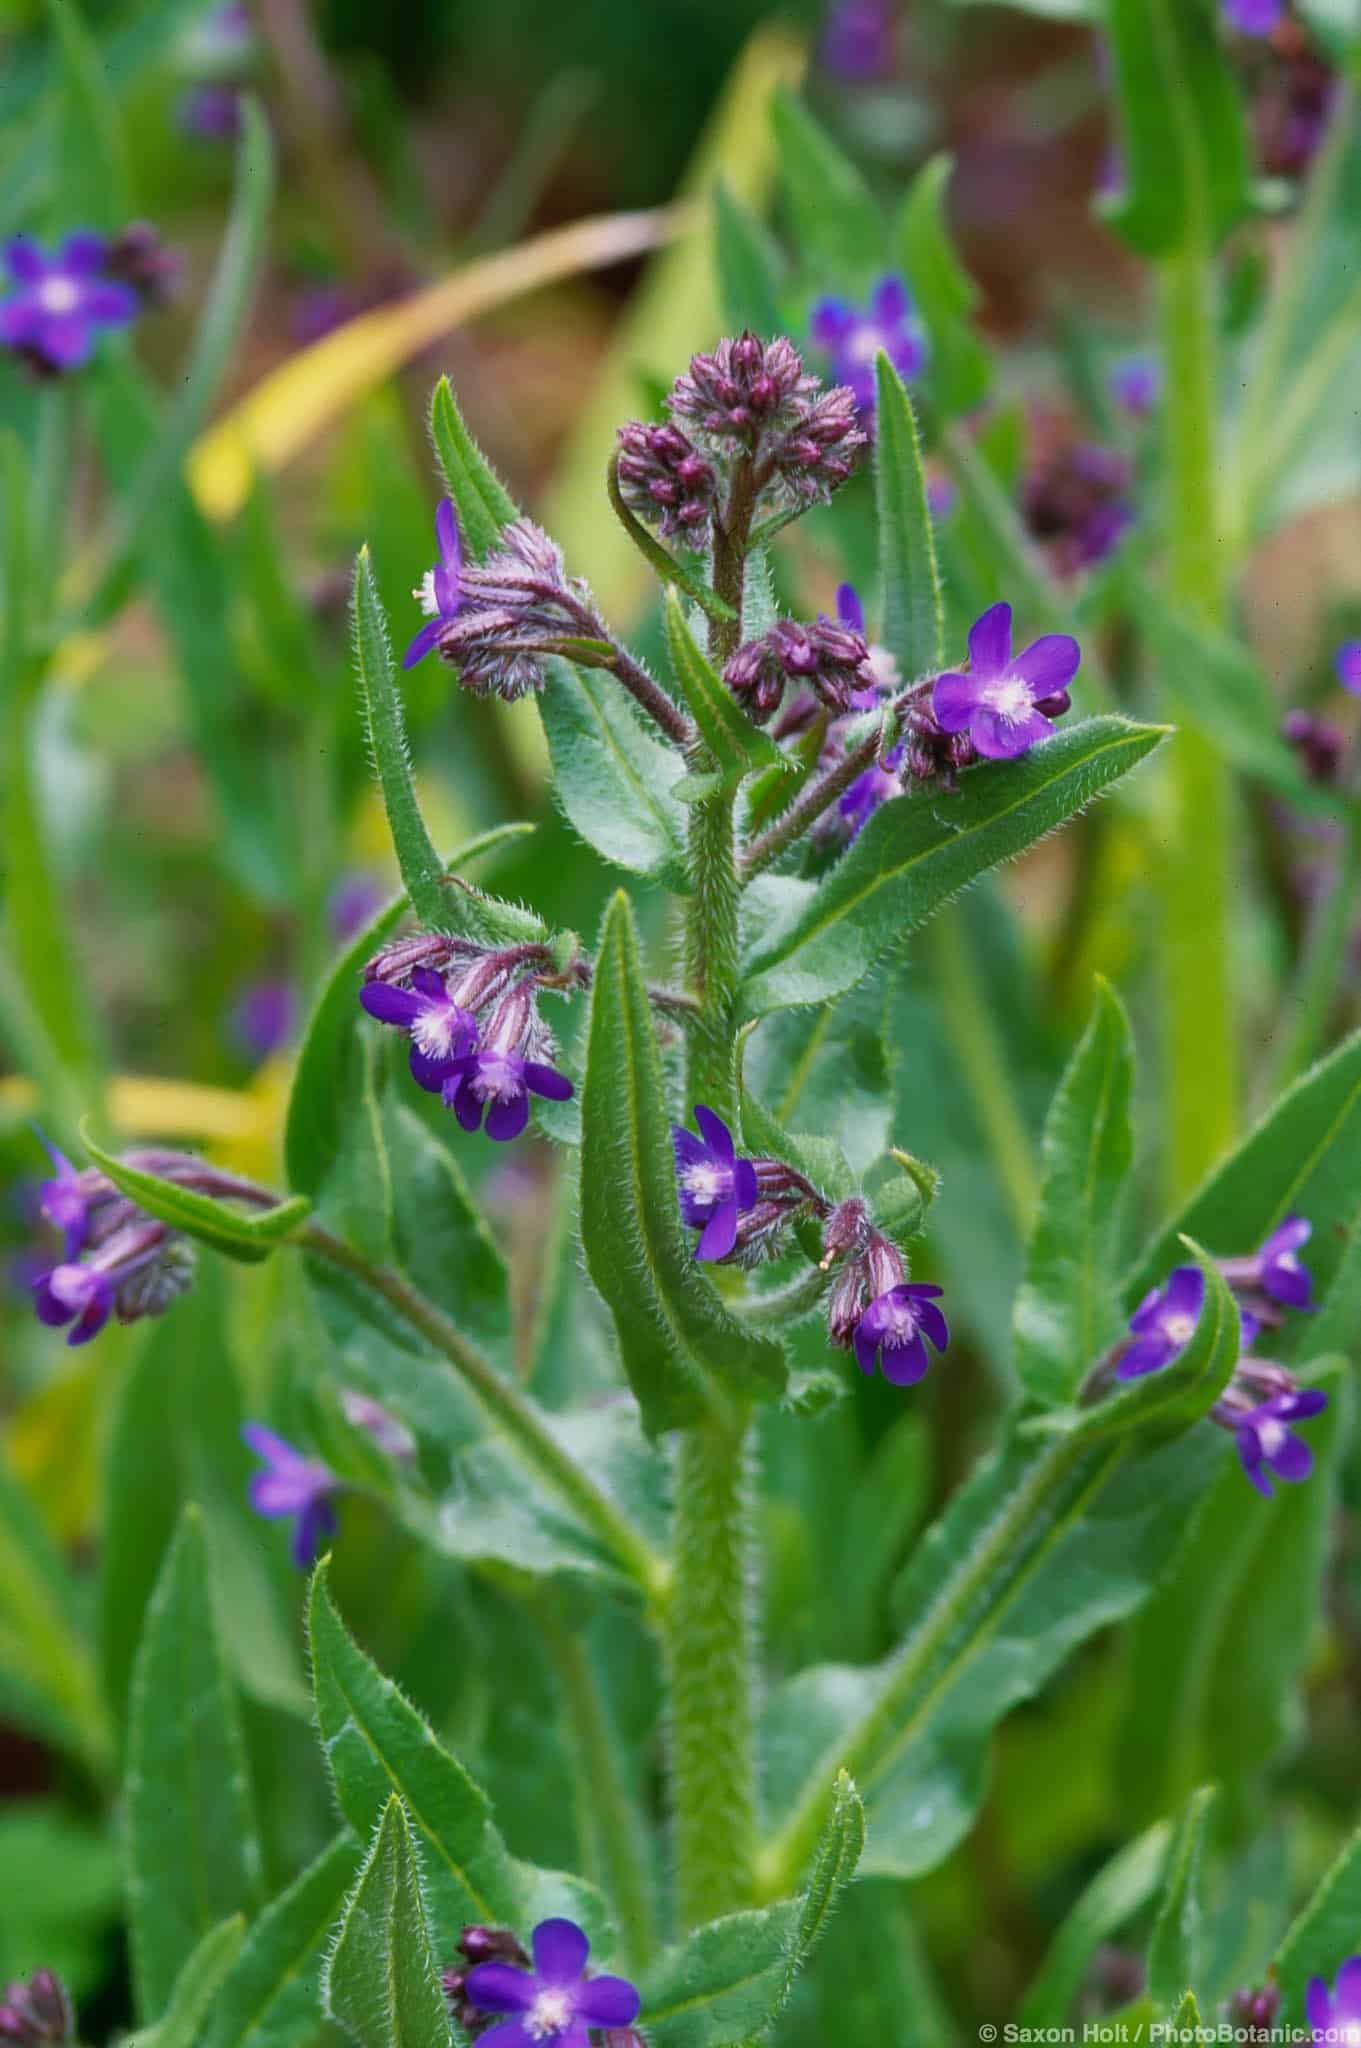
[[423, 642], [1318, 2006], [547, 1081], [1000, 738], [1309, 1401], [716, 1133], [509, 2033], [866, 1346], [1149, 1312], [275, 1450], [49, 1310], [1293, 1460], [720, 1232], [560, 1951], [428, 1070], [990, 642], [1348, 660], [1347, 1992], [448, 536], [27, 264], [934, 1324], [1286, 1237], [904, 1364], [466, 1105], [65, 339], [1185, 1291], [19, 319], [831, 321], [448, 592], [908, 355], [276, 1494], [1255, 1475], [954, 699], [429, 984], [745, 1184], [849, 609], [506, 1119], [1049, 663], [608, 2002], [84, 253], [316, 1522], [689, 1150], [390, 1005], [500, 1987], [110, 304], [889, 302], [1150, 1354]]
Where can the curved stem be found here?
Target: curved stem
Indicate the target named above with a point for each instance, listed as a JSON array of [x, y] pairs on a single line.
[[506, 1407], [808, 806]]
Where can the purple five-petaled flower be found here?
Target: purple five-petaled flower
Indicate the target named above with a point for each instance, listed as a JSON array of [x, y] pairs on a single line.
[[1265, 1439], [499, 1080], [440, 594], [1336, 2018], [1164, 1323], [74, 1295], [1001, 702], [1348, 664], [292, 1488], [1280, 1271], [893, 1330], [555, 2002], [852, 337], [59, 302], [441, 1031], [715, 1186], [1253, 17]]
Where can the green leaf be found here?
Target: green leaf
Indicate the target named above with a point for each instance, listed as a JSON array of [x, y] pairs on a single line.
[[90, 152], [736, 744], [380, 700], [821, 1159], [1247, 1569], [914, 617], [192, 1853], [272, 1993], [1119, 1891], [141, 1501], [1323, 1932], [1065, 1310], [1182, 140], [196, 1987], [959, 372], [317, 1104], [482, 502], [730, 1979], [246, 1235], [678, 1343], [48, 1681], [381, 1979], [809, 941], [750, 267], [837, 225], [614, 778], [1174, 1951], [377, 1743]]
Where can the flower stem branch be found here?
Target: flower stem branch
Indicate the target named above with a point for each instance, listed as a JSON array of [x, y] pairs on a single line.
[[818, 794], [505, 1406]]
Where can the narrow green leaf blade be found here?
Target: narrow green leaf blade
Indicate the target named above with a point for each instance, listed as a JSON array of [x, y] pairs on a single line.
[[1119, 1891], [678, 1342], [91, 154], [249, 1235], [1323, 1932], [1066, 1306], [914, 614], [381, 1980], [421, 868], [1174, 1951], [837, 223], [959, 372], [482, 502], [1182, 140], [271, 1996], [192, 1853], [736, 744], [810, 941], [196, 1987]]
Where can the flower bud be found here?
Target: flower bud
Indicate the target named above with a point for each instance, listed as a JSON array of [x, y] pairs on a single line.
[[847, 1229], [664, 478], [37, 2012], [1255, 2010], [492, 1945]]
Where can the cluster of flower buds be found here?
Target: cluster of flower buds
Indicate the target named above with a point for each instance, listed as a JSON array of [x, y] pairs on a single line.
[[37, 2013], [829, 658], [138, 257], [478, 1945], [742, 1208], [115, 1259], [549, 2000], [664, 478], [1253, 2011], [1076, 503], [1318, 744], [1262, 1399], [873, 1308], [471, 1015]]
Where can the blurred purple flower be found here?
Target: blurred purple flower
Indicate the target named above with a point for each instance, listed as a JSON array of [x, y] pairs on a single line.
[[940, 496], [440, 594], [852, 337], [1348, 664], [1005, 703], [553, 2003], [57, 304], [292, 1488], [714, 1185], [64, 1203], [893, 1330], [1164, 1323], [265, 1017], [1253, 17], [361, 1411], [1280, 1271], [1136, 385], [1266, 1440], [857, 43], [354, 903], [1336, 2018], [1075, 502], [211, 111], [441, 1031]]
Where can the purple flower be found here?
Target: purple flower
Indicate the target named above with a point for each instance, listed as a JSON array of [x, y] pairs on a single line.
[[1338, 2018], [361, 1411], [1265, 1438], [64, 1202], [715, 1186], [498, 1076], [879, 783], [355, 901], [37, 2011], [265, 1017], [892, 1332], [882, 666], [1253, 17], [80, 1296], [857, 41], [211, 111], [1137, 385], [831, 659], [292, 1486], [1005, 704], [441, 1031], [1348, 664], [1075, 501], [555, 2001], [58, 303], [753, 396], [1164, 1323], [853, 337], [940, 496], [1280, 1273], [440, 594]]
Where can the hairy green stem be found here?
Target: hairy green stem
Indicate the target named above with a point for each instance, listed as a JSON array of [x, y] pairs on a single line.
[[1200, 1050], [505, 1406]]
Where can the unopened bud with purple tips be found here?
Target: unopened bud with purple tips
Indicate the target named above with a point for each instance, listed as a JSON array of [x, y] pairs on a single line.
[[831, 659], [666, 480], [1254, 2011], [492, 1945], [37, 2013]]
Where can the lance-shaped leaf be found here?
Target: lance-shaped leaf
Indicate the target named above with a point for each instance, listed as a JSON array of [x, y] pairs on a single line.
[[1120, 1890], [91, 153], [377, 1743], [1324, 1932], [958, 373], [810, 941], [914, 617], [246, 1234], [1183, 151], [381, 1980], [1065, 1311], [192, 1853], [196, 1987], [837, 224], [1174, 1950], [736, 744], [271, 1994], [482, 502], [730, 1979], [678, 1342], [613, 777]]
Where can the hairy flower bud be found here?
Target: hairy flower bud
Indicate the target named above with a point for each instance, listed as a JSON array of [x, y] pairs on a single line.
[[1254, 2011], [492, 1945], [664, 478], [754, 398], [847, 1229], [513, 612], [38, 2011], [833, 660]]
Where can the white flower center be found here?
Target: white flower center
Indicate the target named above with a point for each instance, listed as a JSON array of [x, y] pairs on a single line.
[[424, 594], [1179, 1329], [497, 1075], [58, 295], [434, 1030], [901, 1326], [1009, 696], [1271, 1435], [884, 669], [1288, 1263], [707, 1182], [864, 342], [550, 2014]]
